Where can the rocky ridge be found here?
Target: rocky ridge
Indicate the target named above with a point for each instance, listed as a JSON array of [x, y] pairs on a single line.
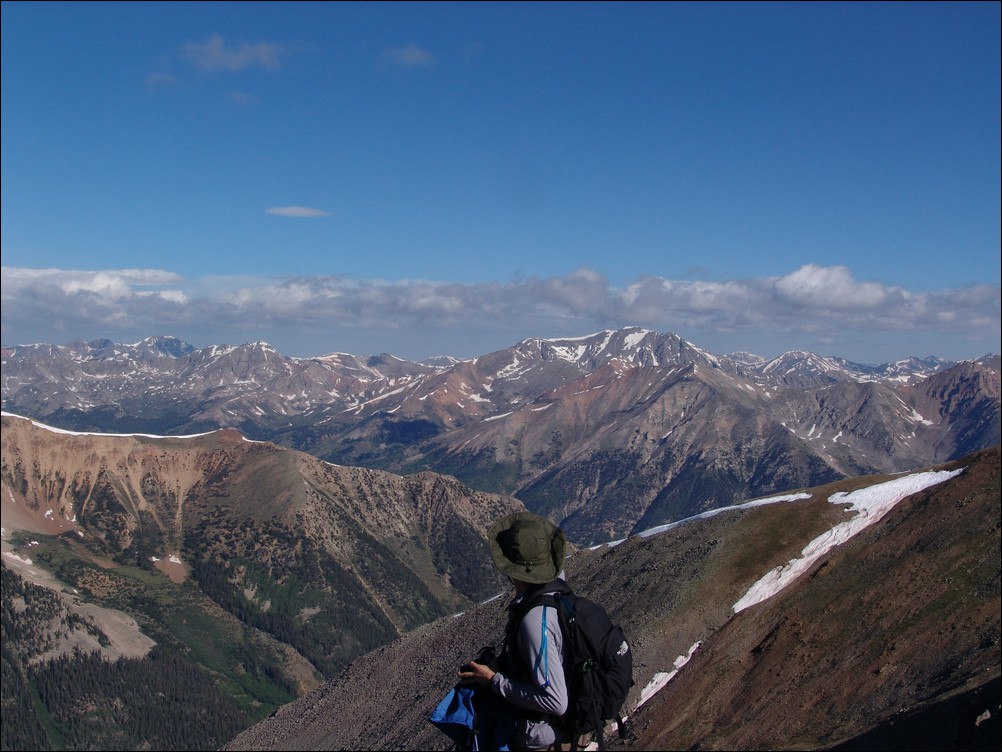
[[608, 433], [331, 560]]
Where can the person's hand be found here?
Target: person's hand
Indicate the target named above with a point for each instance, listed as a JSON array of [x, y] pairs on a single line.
[[476, 673]]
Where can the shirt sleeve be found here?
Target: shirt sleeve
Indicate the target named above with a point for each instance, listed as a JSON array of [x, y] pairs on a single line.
[[547, 689]]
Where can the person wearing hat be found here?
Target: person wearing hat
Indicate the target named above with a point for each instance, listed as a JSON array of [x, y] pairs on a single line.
[[529, 673]]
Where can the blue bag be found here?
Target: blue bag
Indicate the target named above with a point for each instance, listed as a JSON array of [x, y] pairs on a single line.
[[474, 718]]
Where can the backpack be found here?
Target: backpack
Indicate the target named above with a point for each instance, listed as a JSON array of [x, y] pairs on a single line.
[[598, 662]]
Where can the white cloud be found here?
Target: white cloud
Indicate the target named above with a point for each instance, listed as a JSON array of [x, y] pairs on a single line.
[[296, 211], [410, 56], [171, 296], [214, 55], [112, 283], [800, 310], [831, 288]]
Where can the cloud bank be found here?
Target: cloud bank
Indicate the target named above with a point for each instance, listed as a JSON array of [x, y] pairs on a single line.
[[807, 308]]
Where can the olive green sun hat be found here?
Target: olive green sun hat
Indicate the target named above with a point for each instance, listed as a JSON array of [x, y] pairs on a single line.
[[527, 547]]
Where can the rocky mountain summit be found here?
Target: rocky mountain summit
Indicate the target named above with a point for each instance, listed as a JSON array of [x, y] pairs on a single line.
[[607, 434]]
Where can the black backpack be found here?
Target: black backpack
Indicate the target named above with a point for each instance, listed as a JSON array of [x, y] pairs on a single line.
[[598, 662]]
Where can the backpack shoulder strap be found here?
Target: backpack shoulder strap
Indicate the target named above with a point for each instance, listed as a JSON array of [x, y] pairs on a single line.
[[547, 594]]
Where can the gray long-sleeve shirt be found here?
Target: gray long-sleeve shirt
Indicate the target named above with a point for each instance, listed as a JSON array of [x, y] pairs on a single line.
[[546, 691]]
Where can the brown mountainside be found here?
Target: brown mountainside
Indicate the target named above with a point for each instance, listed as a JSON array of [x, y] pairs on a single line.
[[626, 446], [890, 640], [332, 560]]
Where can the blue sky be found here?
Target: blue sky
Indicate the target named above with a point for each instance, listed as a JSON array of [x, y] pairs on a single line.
[[426, 179]]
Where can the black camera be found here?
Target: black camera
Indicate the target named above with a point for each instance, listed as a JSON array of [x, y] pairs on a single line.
[[484, 657]]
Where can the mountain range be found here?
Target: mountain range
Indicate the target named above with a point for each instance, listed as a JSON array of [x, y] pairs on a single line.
[[608, 434], [210, 547]]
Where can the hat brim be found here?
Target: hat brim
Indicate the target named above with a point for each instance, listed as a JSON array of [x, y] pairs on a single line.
[[539, 574]]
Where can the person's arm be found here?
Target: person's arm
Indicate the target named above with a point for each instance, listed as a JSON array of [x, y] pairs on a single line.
[[547, 690]]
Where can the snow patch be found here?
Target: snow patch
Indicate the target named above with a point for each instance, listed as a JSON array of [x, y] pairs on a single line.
[[660, 679], [870, 504]]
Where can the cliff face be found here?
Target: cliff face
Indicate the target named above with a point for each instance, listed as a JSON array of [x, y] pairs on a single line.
[[891, 640]]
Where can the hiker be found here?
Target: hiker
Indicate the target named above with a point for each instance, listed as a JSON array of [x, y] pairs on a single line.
[[529, 673]]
